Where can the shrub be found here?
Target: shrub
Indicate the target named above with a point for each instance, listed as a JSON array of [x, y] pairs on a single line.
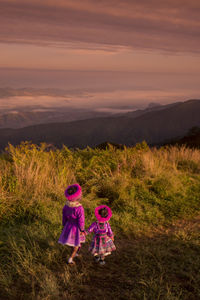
[[188, 166]]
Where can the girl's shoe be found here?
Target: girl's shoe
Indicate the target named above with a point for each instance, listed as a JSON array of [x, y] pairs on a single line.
[[96, 258], [70, 261], [102, 262]]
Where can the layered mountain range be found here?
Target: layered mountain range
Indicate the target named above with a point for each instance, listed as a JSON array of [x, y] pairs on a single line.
[[156, 125], [24, 118]]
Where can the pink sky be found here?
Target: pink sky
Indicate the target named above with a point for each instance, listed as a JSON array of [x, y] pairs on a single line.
[[147, 50]]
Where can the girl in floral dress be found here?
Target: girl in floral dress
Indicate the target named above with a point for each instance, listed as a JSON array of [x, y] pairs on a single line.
[[102, 242]]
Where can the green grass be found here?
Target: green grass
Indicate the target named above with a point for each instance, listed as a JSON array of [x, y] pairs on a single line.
[[155, 198]]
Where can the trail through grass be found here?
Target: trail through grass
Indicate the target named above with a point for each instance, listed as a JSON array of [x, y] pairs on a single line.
[[164, 265]]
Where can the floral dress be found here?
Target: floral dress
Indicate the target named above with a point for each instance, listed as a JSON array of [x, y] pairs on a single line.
[[102, 243]]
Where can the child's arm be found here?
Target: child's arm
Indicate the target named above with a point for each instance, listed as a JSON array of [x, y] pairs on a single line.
[[110, 233], [91, 228]]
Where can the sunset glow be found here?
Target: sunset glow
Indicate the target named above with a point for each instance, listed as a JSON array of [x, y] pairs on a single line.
[[148, 50]]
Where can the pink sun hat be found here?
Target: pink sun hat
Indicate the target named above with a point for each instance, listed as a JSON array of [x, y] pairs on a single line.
[[99, 217], [74, 196]]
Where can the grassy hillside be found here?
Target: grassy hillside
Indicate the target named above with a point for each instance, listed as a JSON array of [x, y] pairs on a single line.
[[155, 198]]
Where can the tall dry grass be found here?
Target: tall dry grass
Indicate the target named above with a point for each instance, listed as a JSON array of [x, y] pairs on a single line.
[[31, 176]]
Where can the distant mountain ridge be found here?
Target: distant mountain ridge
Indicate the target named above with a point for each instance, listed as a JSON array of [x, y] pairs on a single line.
[[34, 114], [22, 107], [20, 119], [155, 127]]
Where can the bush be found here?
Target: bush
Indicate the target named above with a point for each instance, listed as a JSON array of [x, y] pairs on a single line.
[[188, 166]]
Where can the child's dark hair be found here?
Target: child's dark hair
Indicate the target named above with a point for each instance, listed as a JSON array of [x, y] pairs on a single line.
[[72, 190], [103, 212]]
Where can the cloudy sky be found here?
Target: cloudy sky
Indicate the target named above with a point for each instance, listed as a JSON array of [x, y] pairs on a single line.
[[113, 51]]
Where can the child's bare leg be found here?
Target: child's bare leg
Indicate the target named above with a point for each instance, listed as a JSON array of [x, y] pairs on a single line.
[[70, 260], [74, 251], [77, 253], [101, 261], [79, 249]]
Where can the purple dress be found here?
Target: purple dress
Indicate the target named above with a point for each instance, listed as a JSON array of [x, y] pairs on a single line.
[[73, 221], [102, 243]]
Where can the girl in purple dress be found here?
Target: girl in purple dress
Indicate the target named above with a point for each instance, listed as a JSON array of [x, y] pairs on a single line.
[[73, 221], [102, 242]]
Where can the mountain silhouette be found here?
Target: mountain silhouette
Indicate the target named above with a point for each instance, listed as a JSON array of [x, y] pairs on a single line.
[[191, 139], [20, 119], [155, 127]]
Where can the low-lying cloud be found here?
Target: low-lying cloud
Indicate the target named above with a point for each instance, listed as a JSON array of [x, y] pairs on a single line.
[[112, 102]]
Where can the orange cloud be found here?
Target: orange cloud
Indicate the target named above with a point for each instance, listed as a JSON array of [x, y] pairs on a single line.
[[148, 24]]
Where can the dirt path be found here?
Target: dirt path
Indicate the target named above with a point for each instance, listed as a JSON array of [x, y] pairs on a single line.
[[153, 267]]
